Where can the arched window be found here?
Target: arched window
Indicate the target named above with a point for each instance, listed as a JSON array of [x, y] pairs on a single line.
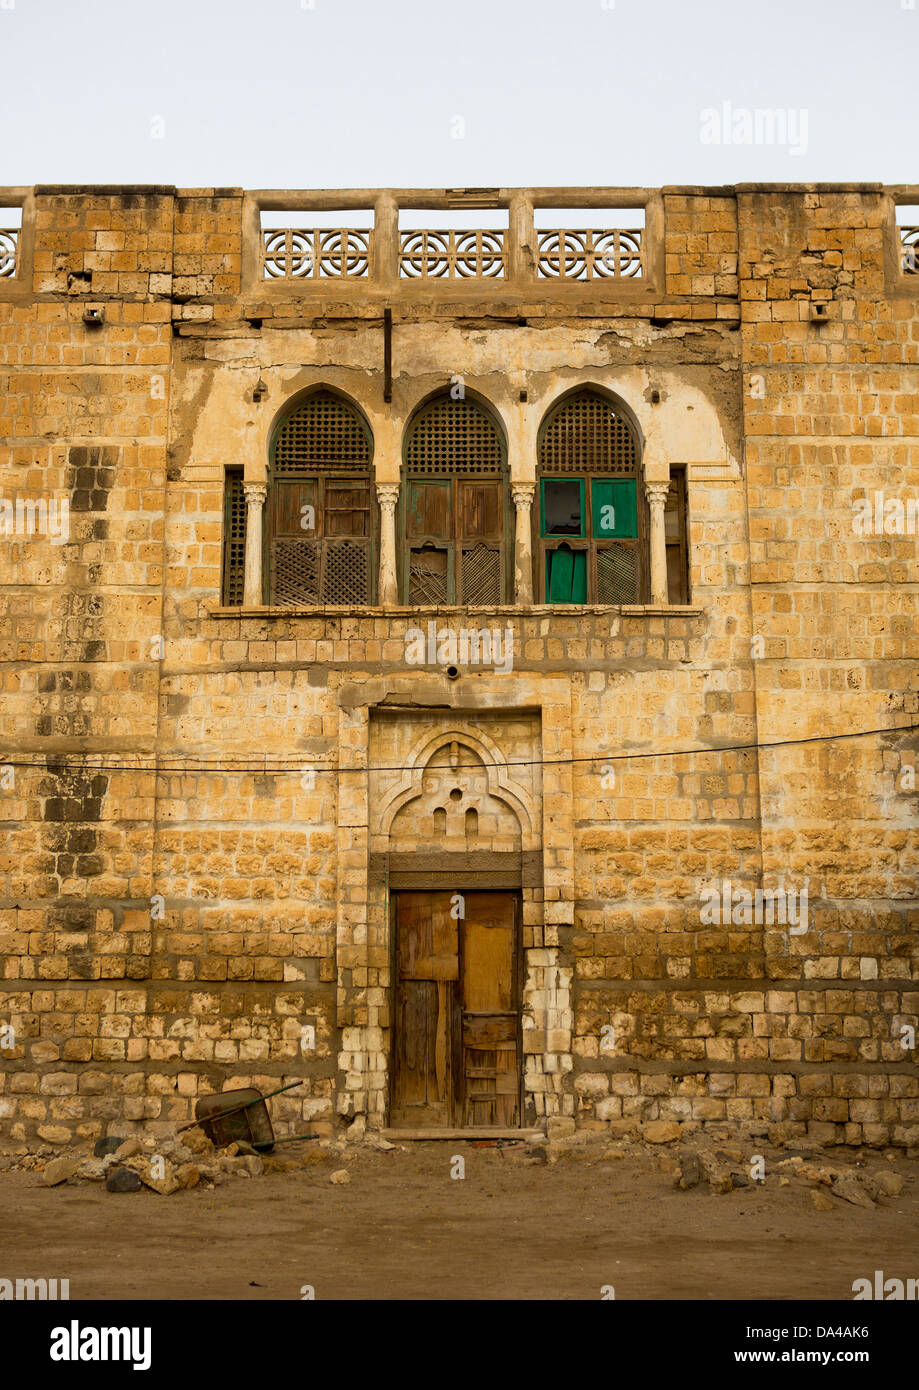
[[454, 513], [321, 516], [590, 513]]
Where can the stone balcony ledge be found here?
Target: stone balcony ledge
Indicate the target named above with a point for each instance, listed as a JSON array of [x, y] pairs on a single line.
[[567, 610]]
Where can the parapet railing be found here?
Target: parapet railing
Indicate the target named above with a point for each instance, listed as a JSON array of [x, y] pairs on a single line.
[[449, 255], [9, 247], [346, 253], [321, 253], [564, 254]]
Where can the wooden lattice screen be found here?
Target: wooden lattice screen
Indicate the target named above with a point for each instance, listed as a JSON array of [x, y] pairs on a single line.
[[586, 434], [454, 507], [321, 512], [234, 538]]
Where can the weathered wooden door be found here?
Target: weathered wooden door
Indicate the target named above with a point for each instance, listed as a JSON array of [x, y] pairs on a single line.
[[456, 1044]]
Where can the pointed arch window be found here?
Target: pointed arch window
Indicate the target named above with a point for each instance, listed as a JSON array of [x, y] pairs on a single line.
[[454, 513], [321, 516], [590, 514]]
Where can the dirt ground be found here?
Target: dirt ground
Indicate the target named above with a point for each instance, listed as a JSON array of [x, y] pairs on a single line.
[[512, 1228]]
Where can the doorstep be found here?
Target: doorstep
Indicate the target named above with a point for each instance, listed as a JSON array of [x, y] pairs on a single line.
[[436, 1132]]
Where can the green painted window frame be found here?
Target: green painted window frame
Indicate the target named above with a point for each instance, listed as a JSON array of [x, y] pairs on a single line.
[[628, 530]]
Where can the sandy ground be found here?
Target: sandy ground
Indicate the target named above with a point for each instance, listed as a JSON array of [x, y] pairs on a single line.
[[403, 1228]]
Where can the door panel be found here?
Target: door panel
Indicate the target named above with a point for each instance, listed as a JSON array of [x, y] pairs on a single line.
[[491, 1073], [456, 1056], [427, 941], [427, 967]]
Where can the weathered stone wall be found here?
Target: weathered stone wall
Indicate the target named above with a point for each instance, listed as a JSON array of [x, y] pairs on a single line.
[[187, 893]]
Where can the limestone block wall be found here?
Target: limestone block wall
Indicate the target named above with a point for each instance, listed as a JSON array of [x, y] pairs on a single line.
[[831, 417]]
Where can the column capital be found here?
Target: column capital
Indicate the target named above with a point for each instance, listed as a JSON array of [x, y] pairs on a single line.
[[523, 494], [387, 495], [656, 493], [255, 493]]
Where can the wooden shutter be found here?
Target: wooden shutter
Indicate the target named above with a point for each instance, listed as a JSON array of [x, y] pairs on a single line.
[[614, 507], [480, 529], [234, 539], [566, 575]]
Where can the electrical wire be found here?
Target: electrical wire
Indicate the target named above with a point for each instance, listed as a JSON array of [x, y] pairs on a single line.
[[161, 765]]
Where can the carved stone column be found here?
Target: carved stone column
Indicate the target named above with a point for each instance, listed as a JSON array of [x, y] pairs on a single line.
[[656, 494], [252, 585], [523, 550], [388, 496]]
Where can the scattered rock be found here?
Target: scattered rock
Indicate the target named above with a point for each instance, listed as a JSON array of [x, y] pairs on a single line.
[[158, 1174], [661, 1132], [784, 1182], [721, 1183], [882, 1184], [127, 1149], [539, 1153], [197, 1141], [187, 1176], [819, 1199], [109, 1145], [123, 1180], [341, 1175], [176, 1152], [242, 1165], [92, 1169], [851, 1190], [58, 1171], [690, 1172]]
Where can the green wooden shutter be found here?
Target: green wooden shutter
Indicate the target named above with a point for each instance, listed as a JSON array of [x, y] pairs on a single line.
[[619, 495], [566, 576]]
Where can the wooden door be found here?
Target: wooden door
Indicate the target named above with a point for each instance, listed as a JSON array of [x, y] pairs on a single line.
[[456, 1017]]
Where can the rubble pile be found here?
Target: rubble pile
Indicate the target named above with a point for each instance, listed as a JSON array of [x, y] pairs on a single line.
[[165, 1165]]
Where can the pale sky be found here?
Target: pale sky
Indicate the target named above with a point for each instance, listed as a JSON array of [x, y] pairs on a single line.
[[429, 93]]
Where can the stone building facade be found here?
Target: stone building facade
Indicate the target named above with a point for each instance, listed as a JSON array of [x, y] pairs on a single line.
[[421, 640]]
